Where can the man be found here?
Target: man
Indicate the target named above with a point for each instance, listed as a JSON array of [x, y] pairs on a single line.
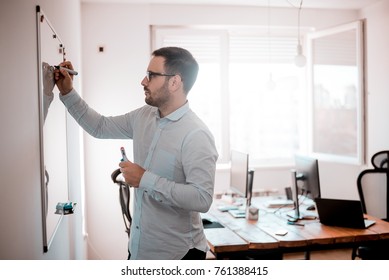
[[175, 157]]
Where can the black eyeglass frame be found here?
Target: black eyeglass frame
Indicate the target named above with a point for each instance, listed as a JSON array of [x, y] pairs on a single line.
[[150, 74]]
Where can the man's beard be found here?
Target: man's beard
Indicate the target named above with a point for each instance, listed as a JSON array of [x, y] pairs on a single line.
[[158, 97]]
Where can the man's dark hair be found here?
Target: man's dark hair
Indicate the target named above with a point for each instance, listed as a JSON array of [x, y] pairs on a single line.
[[180, 61]]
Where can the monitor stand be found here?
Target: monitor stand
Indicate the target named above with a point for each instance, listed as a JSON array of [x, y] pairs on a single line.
[[295, 191], [297, 216], [294, 218], [241, 211]]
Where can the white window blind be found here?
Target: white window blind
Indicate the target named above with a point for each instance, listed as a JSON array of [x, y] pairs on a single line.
[[262, 49]]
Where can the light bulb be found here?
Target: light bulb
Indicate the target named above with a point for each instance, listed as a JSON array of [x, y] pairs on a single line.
[[300, 59]]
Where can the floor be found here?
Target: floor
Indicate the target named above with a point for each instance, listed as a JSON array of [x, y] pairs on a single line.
[[339, 254]]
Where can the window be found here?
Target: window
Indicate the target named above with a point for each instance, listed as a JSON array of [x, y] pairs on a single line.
[[248, 91], [337, 93]]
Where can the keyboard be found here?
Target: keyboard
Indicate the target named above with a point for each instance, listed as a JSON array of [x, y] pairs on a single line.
[[276, 203], [225, 208], [238, 213]]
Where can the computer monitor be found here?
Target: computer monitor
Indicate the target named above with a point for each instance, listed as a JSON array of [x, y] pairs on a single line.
[[307, 176], [241, 181], [305, 182], [239, 173]]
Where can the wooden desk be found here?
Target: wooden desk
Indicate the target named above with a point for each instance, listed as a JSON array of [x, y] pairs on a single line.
[[240, 238]]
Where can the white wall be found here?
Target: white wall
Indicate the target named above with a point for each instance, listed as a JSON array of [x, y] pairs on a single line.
[[111, 86], [20, 191], [377, 67]]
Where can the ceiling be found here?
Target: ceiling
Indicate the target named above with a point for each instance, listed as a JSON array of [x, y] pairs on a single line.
[[319, 4]]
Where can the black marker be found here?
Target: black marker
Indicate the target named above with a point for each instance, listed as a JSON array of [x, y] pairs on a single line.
[[70, 71]]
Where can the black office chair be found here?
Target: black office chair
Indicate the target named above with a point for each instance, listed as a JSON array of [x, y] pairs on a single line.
[[379, 250], [124, 197]]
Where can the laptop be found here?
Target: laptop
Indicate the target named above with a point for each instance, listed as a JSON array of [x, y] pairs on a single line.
[[342, 213]]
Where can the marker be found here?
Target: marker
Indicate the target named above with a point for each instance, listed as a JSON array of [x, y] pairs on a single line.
[[70, 71], [124, 157]]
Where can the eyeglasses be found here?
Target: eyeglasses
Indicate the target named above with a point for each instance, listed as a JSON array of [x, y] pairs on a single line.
[[150, 75]]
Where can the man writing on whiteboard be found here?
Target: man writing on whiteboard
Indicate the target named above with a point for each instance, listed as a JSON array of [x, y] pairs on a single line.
[[173, 172]]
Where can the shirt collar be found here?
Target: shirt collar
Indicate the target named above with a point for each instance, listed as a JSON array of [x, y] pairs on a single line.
[[177, 114]]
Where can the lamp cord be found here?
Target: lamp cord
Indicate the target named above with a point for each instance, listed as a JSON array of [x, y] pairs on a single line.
[[298, 22]]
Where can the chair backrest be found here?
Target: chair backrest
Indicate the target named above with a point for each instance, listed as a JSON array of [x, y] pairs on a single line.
[[380, 166], [124, 198]]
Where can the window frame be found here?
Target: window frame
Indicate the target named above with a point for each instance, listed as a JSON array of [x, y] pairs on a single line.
[[360, 157]]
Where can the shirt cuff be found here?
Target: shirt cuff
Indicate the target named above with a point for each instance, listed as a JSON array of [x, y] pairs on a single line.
[[67, 99], [148, 180]]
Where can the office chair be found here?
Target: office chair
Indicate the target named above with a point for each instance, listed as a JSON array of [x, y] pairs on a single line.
[[124, 197], [379, 251]]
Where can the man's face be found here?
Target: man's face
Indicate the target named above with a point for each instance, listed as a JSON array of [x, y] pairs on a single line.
[[155, 85]]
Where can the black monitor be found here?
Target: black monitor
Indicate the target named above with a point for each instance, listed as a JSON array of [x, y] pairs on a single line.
[[305, 182], [307, 169], [239, 173]]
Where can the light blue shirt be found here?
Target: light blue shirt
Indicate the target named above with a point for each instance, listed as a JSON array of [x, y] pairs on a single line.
[[179, 155]]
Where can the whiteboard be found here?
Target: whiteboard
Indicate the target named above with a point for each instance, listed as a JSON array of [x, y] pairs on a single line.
[[53, 136]]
